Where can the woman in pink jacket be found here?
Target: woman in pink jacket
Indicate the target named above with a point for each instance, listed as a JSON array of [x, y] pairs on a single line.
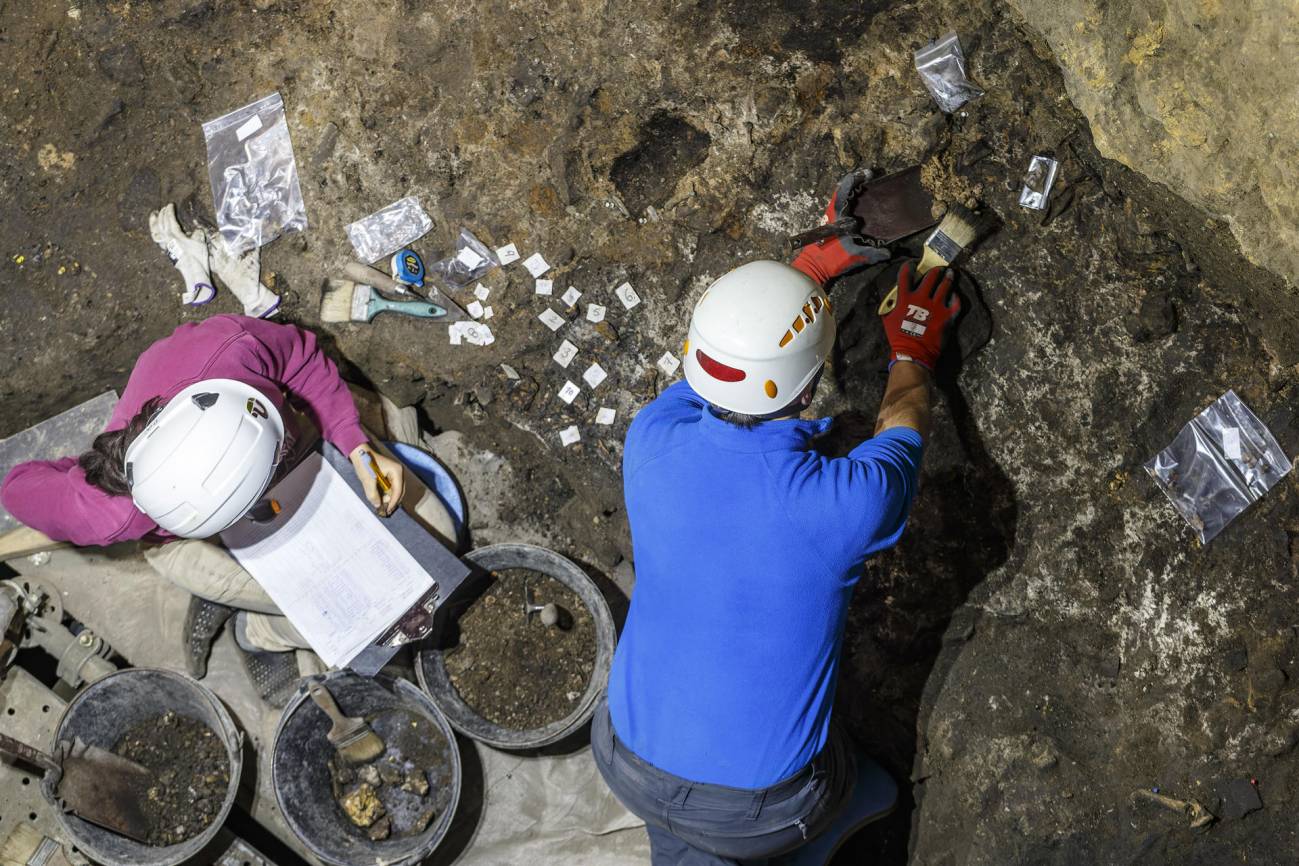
[[210, 416]]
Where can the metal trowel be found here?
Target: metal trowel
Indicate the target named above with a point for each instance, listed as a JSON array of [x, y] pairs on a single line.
[[886, 209], [94, 784]]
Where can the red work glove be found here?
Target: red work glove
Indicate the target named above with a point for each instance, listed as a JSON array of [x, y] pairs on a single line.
[[825, 260], [916, 324]]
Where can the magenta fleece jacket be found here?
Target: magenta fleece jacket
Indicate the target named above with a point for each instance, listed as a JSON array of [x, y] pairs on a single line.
[[279, 360]]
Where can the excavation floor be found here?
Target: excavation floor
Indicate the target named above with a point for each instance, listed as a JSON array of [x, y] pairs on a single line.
[[1048, 637]]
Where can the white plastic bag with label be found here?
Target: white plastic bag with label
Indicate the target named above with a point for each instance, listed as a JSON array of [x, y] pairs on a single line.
[[1221, 462], [255, 191]]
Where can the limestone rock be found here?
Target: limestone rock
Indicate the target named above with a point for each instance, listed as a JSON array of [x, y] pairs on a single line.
[[1186, 92]]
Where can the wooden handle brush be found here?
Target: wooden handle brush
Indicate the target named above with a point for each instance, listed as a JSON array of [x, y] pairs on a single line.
[[354, 740], [346, 301], [959, 228], [367, 275]]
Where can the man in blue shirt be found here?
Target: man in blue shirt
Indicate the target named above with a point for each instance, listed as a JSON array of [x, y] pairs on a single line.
[[747, 547]]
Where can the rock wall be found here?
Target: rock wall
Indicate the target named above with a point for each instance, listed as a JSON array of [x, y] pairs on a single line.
[[1196, 94]]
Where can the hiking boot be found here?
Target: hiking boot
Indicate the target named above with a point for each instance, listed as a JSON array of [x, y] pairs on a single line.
[[275, 675], [203, 623]]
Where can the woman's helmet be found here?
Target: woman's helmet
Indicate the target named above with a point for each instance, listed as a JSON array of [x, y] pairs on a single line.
[[206, 458], [758, 337]]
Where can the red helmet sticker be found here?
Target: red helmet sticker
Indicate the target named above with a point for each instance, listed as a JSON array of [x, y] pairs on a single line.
[[717, 369]]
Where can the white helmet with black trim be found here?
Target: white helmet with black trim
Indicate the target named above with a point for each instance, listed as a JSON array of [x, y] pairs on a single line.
[[758, 337], [206, 458]]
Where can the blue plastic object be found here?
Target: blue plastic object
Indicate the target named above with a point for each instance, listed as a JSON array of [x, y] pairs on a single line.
[[873, 797], [408, 268], [436, 478]]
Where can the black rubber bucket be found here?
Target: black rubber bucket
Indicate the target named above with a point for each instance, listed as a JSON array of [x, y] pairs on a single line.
[[430, 666], [300, 770], [101, 713]]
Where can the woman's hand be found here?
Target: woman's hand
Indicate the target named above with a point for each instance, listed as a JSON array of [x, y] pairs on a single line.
[[391, 470]]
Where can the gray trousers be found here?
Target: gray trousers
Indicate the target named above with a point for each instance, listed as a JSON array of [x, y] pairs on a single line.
[[697, 824]]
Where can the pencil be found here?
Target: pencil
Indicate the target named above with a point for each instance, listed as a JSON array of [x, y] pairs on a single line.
[[384, 487]]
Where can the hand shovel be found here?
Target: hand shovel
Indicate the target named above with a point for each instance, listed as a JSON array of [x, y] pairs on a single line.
[[103, 788], [355, 741], [886, 209]]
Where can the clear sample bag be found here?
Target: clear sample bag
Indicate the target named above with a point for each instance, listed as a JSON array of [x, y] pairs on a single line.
[[1221, 462], [385, 231], [942, 66], [255, 191], [471, 260]]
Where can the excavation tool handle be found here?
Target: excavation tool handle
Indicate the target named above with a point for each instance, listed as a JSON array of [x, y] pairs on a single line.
[[24, 752], [844, 225], [371, 277], [419, 309], [344, 726]]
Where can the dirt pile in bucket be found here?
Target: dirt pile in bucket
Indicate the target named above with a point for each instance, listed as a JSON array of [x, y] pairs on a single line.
[[396, 794], [191, 774], [512, 668]]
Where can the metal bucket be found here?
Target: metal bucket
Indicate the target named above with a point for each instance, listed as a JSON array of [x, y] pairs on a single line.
[[430, 667], [101, 713], [300, 771]]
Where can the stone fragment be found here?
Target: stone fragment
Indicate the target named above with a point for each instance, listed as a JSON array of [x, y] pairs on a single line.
[[416, 782], [362, 806], [390, 772], [1044, 755], [380, 829]]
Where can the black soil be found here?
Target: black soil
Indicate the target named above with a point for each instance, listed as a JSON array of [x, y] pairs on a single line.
[[669, 147], [513, 670], [191, 774], [399, 793]]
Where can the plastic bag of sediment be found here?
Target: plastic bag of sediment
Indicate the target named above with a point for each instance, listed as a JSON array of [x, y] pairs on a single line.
[[1220, 463]]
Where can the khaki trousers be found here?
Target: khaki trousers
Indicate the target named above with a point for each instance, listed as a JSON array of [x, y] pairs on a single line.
[[207, 569]]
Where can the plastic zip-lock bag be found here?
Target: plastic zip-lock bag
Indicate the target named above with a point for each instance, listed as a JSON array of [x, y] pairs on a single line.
[[255, 191], [942, 66], [472, 259], [1223, 460], [385, 231]]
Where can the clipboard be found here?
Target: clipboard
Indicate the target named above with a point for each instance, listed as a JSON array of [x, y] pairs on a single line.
[[416, 622]]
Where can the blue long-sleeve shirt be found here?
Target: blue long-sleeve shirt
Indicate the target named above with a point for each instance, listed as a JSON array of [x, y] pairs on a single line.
[[747, 547]]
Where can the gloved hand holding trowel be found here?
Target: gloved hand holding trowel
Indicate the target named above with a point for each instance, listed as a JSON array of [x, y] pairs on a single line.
[[202, 251]]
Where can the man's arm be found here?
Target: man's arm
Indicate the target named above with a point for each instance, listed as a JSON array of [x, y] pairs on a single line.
[[915, 328], [906, 400]]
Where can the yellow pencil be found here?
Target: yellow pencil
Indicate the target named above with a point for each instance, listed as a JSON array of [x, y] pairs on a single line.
[[384, 487]]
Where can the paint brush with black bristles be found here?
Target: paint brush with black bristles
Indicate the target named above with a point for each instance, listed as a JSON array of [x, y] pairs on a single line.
[[959, 229]]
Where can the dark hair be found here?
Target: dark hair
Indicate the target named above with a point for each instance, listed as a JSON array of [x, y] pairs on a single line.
[[739, 419], [104, 463]]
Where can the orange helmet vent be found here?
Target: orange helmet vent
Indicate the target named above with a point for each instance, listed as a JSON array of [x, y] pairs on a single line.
[[810, 311]]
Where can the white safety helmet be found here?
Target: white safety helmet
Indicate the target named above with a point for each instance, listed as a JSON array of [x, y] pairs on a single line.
[[758, 337], [206, 458]]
